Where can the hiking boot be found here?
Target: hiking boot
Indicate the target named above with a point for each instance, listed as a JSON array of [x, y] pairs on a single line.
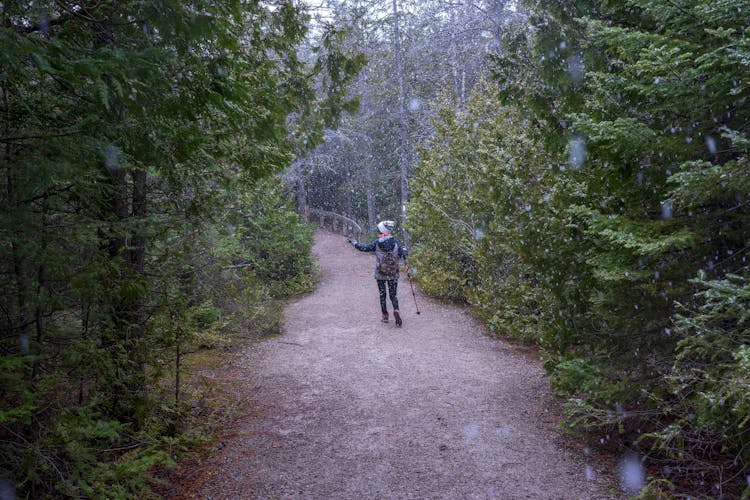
[[398, 318], [384, 318]]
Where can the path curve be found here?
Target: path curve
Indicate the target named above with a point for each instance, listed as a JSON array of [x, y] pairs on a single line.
[[348, 407]]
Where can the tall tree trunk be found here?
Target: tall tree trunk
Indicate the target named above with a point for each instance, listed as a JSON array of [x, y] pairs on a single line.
[[137, 263], [119, 208], [177, 367], [40, 289], [128, 243], [140, 211], [370, 179], [454, 51], [116, 245], [348, 203], [85, 317], [19, 273], [302, 198], [128, 203], [403, 125]]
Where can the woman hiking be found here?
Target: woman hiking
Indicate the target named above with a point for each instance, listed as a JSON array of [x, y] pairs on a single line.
[[387, 250]]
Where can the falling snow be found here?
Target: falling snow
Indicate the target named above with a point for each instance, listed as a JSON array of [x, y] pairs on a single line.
[[632, 474], [711, 144], [577, 152], [666, 210]]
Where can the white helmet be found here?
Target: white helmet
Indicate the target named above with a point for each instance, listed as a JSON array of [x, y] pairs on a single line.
[[386, 226]]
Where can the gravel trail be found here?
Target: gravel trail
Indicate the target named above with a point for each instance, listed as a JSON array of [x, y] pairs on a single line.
[[345, 406]]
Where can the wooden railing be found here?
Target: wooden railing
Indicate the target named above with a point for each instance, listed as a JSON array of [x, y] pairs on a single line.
[[334, 222]]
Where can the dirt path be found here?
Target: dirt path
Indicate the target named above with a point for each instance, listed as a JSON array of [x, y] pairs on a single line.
[[348, 407]]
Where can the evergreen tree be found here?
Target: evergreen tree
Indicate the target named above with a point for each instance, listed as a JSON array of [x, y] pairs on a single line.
[[635, 111], [131, 132]]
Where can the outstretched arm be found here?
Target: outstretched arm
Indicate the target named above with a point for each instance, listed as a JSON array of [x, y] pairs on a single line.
[[363, 247]]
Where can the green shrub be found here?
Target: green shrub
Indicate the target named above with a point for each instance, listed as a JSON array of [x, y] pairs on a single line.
[[437, 274], [272, 242], [205, 314], [708, 397]]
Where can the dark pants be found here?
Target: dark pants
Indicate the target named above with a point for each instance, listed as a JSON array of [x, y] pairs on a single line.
[[392, 287]]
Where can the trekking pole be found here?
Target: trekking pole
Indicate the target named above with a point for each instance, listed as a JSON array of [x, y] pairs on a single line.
[[411, 284]]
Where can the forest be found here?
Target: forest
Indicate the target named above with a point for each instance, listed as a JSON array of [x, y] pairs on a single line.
[[576, 172]]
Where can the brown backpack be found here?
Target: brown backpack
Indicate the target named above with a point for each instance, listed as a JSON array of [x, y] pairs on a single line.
[[388, 265]]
